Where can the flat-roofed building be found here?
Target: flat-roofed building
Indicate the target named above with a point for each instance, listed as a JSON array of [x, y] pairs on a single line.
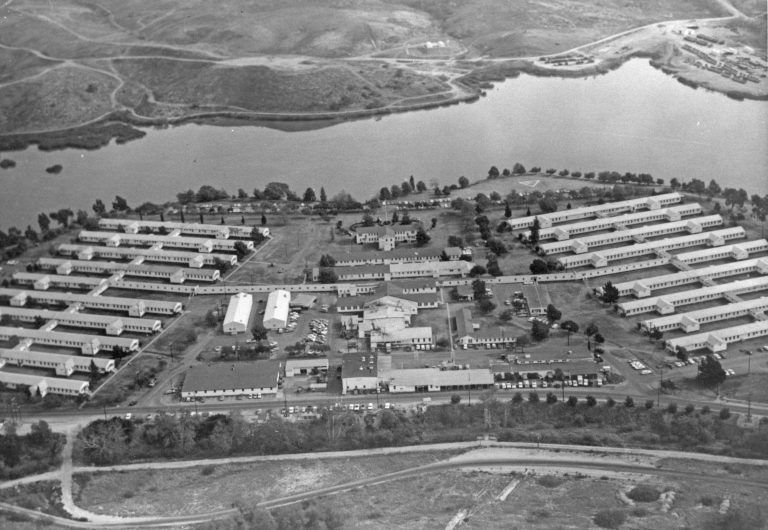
[[435, 380], [190, 259], [387, 236], [172, 274], [645, 286], [37, 385], [666, 304], [133, 306], [42, 282], [87, 344], [134, 226], [277, 309], [238, 313], [150, 240], [302, 300], [692, 320], [718, 340], [231, 379], [537, 297], [111, 325], [603, 257], [738, 251], [467, 334], [546, 220], [359, 373], [387, 338], [297, 366], [563, 232], [584, 244], [402, 255], [64, 365]]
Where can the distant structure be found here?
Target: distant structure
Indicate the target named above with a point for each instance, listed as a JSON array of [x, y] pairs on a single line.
[[238, 313], [236, 379], [276, 312]]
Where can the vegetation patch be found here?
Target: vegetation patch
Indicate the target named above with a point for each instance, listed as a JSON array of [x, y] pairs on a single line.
[[550, 481], [610, 518], [644, 493]]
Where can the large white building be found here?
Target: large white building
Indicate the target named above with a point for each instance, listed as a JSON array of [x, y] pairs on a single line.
[[277, 309], [693, 320], [546, 220], [419, 338], [394, 271], [238, 313], [87, 344], [111, 325], [42, 282], [436, 380], [645, 286], [718, 340], [161, 272], [619, 222], [584, 244], [666, 304], [134, 226], [116, 239], [603, 257], [738, 251]]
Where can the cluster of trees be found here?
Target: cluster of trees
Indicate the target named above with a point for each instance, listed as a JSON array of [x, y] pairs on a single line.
[[517, 169], [540, 266], [482, 296], [403, 190], [32, 453]]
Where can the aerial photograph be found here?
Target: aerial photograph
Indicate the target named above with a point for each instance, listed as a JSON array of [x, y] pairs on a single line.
[[384, 264]]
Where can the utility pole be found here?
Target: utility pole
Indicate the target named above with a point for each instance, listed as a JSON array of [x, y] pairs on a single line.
[[658, 393], [469, 390], [749, 408]]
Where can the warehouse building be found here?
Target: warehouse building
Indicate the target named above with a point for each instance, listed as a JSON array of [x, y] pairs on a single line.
[[277, 309], [738, 251], [111, 325], [402, 255], [546, 220], [191, 259], [41, 386], [604, 257], [563, 232], [693, 320], [394, 271], [666, 304], [584, 244], [258, 378], [134, 307], [387, 338], [87, 344], [717, 341], [64, 365], [467, 334], [133, 226], [297, 366], [435, 380], [645, 286], [359, 373], [111, 239], [172, 274], [409, 296], [238, 313]]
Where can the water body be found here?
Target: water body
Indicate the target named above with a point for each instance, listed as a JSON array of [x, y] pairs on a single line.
[[633, 119]]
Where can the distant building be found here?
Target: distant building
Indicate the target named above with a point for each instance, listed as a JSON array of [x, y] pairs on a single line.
[[537, 298], [296, 366], [436, 380], [238, 313], [303, 301], [276, 311], [359, 373], [41, 386], [235, 379], [468, 334], [387, 236]]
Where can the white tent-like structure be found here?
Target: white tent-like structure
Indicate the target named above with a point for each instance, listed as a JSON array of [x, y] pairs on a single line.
[[238, 313], [276, 312]]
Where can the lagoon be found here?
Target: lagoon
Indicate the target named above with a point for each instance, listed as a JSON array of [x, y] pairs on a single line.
[[632, 119]]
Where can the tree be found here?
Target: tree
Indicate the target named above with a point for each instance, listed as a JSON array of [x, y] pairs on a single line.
[[674, 183], [548, 204], [591, 401], [485, 305], [493, 173], [62, 216], [478, 289], [506, 315], [711, 373], [539, 330], [573, 401], [120, 204], [463, 182], [263, 219], [394, 191], [571, 327], [241, 250], [384, 194], [599, 338], [656, 334], [551, 398], [406, 188], [539, 266], [610, 293], [518, 168], [99, 208], [714, 188], [44, 222], [323, 195], [395, 218], [522, 341], [533, 397], [507, 210], [309, 195], [368, 220], [30, 234], [422, 238], [493, 266], [629, 402], [591, 329], [421, 187], [326, 260], [477, 270], [496, 246], [455, 241], [534, 237], [327, 275], [259, 332], [553, 313]]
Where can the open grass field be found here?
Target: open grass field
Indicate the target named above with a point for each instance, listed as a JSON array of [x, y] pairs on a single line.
[[209, 488], [74, 63]]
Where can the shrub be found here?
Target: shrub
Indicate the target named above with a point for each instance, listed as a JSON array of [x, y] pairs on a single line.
[[644, 493], [550, 481], [591, 401], [672, 408], [533, 397], [629, 402], [649, 404], [705, 409], [610, 518], [639, 511], [706, 500], [128, 494], [551, 398], [610, 402], [573, 400], [689, 408], [725, 413], [207, 470]]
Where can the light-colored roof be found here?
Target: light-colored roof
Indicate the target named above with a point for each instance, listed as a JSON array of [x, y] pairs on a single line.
[[56, 382], [749, 246], [759, 327], [277, 306], [536, 295], [433, 376], [232, 376], [757, 304], [694, 294], [238, 310]]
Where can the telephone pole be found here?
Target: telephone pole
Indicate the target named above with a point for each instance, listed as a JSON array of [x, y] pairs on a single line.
[[658, 393]]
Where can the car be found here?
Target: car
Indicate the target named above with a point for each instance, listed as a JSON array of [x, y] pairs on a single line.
[[356, 407], [11, 262], [132, 403], [370, 406], [507, 302], [128, 415], [386, 405], [291, 409], [646, 372], [250, 341], [217, 349]]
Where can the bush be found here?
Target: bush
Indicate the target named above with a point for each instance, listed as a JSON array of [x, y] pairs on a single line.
[[639, 511], [689, 408], [706, 500], [610, 518], [629, 402], [207, 470], [573, 401], [128, 494], [725, 413], [672, 408], [550, 481], [649, 404], [610, 402], [551, 398], [644, 493], [591, 401], [705, 409]]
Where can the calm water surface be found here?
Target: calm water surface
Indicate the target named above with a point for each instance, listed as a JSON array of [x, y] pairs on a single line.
[[633, 119]]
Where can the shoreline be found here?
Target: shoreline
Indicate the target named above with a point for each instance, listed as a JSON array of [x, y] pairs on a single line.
[[123, 126]]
